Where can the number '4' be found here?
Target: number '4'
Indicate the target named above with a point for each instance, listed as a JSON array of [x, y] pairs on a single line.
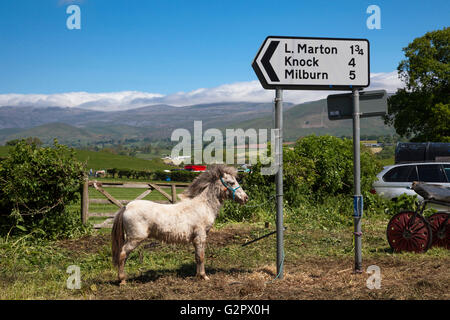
[[352, 62]]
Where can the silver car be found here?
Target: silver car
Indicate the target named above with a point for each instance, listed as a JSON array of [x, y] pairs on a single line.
[[397, 179]]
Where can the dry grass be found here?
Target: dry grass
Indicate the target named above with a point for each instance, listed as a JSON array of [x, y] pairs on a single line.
[[307, 276], [305, 280]]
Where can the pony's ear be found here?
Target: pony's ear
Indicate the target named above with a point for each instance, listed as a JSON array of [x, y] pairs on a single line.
[[217, 172]]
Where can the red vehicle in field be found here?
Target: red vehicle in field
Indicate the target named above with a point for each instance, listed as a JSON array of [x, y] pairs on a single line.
[[195, 168]]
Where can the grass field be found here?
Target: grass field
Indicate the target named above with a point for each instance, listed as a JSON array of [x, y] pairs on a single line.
[[318, 265], [388, 162], [3, 151], [105, 160]]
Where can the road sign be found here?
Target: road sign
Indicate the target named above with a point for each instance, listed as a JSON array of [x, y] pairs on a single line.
[[300, 63], [303, 63], [371, 104]]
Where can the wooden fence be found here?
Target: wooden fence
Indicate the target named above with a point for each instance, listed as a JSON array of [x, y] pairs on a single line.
[[109, 199]]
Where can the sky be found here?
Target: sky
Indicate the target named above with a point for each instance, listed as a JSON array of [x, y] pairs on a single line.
[[133, 53]]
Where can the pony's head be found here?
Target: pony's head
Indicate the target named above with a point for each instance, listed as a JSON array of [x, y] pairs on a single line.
[[222, 180]]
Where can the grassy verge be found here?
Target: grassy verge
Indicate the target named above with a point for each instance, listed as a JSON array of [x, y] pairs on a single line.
[[318, 265]]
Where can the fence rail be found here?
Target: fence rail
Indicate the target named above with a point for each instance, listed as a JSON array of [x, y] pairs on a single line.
[[109, 199]]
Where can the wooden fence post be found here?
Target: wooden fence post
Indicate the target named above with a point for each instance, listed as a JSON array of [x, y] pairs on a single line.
[[85, 201], [174, 193]]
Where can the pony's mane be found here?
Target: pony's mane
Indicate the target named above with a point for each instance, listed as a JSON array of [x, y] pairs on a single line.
[[214, 173]]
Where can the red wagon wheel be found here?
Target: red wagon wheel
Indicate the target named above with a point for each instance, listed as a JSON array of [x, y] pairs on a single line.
[[440, 226], [403, 237]]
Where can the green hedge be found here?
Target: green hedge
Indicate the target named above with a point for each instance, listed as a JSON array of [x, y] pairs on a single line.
[[37, 185], [316, 168], [160, 175]]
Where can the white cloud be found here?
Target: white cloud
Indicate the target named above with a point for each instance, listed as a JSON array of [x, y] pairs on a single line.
[[385, 80], [100, 101], [388, 81], [250, 91]]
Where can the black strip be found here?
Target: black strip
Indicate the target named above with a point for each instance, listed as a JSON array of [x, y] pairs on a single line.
[[232, 309], [266, 61]]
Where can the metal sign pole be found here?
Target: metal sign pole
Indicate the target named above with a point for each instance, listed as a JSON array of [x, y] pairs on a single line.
[[357, 198], [279, 181], [275, 66]]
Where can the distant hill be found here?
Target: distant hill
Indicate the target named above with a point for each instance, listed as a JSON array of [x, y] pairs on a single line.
[[155, 116], [153, 122], [77, 127], [312, 118], [28, 117], [66, 134]]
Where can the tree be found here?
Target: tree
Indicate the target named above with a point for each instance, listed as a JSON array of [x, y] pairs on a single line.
[[421, 110]]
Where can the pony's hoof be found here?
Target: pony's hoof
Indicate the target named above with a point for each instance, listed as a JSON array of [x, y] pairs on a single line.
[[202, 277], [122, 283]]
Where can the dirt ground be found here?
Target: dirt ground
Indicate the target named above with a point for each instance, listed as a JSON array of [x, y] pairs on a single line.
[[327, 279], [307, 277]]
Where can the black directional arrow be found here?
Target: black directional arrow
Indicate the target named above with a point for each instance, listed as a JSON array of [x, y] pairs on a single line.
[[266, 61]]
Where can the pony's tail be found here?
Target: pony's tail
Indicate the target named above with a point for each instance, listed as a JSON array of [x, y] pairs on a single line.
[[117, 236]]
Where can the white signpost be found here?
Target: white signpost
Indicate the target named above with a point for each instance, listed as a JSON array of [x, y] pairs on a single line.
[[313, 63], [305, 63]]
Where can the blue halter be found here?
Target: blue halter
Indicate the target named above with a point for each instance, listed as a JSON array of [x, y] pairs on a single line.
[[229, 188]]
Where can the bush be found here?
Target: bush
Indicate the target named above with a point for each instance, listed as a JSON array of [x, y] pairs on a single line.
[[404, 203], [37, 185], [177, 175], [329, 165], [183, 175], [317, 168]]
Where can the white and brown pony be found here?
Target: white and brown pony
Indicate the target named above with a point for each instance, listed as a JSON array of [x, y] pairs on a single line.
[[186, 221]]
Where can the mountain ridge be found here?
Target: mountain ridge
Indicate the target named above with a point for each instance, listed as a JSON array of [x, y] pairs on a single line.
[[157, 122]]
